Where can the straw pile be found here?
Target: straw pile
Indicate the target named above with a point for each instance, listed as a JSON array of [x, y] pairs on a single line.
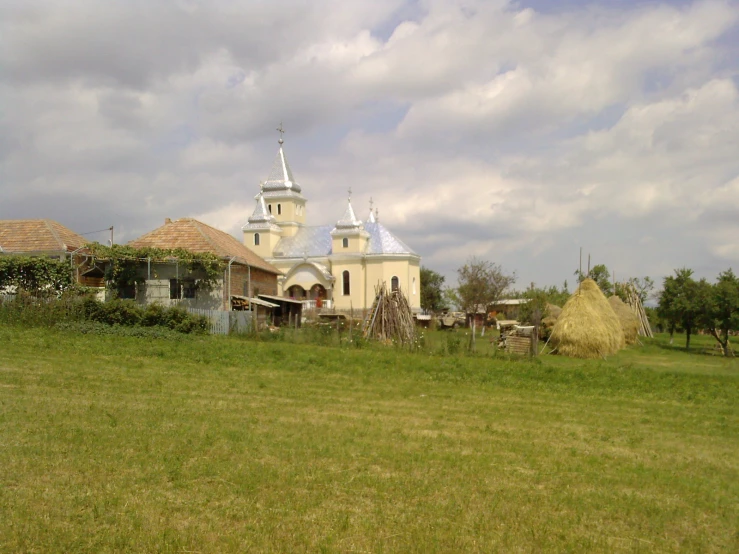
[[547, 324], [587, 326], [629, 322]]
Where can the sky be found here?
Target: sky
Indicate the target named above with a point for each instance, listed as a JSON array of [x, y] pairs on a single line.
[[514, 131]]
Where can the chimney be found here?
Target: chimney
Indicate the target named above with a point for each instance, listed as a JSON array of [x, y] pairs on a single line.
[[167, 220]]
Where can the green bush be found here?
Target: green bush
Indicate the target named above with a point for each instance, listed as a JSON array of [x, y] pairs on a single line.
[[32, 311]]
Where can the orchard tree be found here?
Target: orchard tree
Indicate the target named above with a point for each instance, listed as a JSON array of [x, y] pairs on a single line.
[[643, 287], [722, 311], [683, 302], [481, 283], [432, 290], [600, 275]]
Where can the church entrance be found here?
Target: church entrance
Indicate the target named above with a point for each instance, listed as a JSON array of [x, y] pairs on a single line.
[[297, 292], [318, 291]]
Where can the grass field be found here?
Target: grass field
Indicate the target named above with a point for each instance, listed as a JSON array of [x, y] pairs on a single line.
[[221, 444]]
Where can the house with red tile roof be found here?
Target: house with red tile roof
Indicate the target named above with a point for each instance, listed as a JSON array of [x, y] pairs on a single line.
[[49, 239], [245, 274], [38, 237]]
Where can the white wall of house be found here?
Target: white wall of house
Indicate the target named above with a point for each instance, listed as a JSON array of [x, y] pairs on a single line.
[[158, 288]]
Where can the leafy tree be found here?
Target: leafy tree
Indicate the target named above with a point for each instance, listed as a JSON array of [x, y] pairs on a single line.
[[722, 309], [432, 292], [481, 283], [600, 275], [643, 287], [538, 300], [683, 302]]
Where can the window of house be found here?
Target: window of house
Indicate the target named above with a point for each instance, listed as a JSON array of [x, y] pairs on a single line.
[[345, 242], [188, 289], [256, 239], [175, 291], [127, 292], [181, 288], [279, 209], [345, 279], [394, 283]]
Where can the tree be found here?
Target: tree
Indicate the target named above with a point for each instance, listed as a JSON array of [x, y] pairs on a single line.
[[722, 309], [600, 275], [432, 293], [643, 287], [538, 298], [683, 302], [481, 283]]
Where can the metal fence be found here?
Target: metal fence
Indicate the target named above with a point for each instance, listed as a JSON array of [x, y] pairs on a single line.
[[223, 322]]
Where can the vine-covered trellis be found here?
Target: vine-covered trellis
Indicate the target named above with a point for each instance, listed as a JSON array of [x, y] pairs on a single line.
[[122, 263], [35, 275]]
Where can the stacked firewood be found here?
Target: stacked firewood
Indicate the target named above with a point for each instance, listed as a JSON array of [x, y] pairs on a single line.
[[634, 302], [391, 319]]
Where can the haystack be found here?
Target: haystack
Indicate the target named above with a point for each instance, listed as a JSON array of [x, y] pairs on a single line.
[[629, 322], [547, 324], [587, 326]]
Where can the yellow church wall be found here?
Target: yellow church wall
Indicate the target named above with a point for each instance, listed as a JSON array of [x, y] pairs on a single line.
[[355, 244], [287, 209], [356, 298], [267, 242]]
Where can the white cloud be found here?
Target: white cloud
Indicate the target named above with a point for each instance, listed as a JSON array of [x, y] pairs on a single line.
[[477, 126]]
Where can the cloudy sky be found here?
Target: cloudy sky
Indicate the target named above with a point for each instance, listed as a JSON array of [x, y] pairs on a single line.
[[517, 131]]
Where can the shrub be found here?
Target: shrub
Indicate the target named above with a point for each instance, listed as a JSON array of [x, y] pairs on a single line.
[[29, 310]]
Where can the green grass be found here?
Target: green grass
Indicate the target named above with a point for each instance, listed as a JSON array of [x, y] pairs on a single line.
[[217, 444]]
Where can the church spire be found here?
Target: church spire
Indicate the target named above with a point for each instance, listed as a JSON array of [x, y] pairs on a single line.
[[261, 215], [349, 219], [281, 176], [371, 217]]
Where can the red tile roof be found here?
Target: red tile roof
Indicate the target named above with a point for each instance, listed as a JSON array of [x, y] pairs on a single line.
[[196, 236], [37, 235]]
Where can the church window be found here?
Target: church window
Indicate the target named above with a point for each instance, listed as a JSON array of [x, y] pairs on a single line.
[[394, 283], [279, 209], [345, 279], [256, 239], [269, 207], [345, 242], [414, 285]]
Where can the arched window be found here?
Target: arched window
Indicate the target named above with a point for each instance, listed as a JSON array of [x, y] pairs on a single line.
[[394, 283], [279, 209], [269, 207], [345, 242], [345, 279], [256, 239], [414, 285]]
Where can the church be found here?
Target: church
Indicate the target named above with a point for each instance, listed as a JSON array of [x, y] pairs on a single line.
[[337, 265]]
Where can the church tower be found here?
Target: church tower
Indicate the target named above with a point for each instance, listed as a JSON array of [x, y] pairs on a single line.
[[349, 236], [282, 195], [261, 233]]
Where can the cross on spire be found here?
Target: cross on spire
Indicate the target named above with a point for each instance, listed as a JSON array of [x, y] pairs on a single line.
[[350, 194], [372, 203], [282, 132]]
